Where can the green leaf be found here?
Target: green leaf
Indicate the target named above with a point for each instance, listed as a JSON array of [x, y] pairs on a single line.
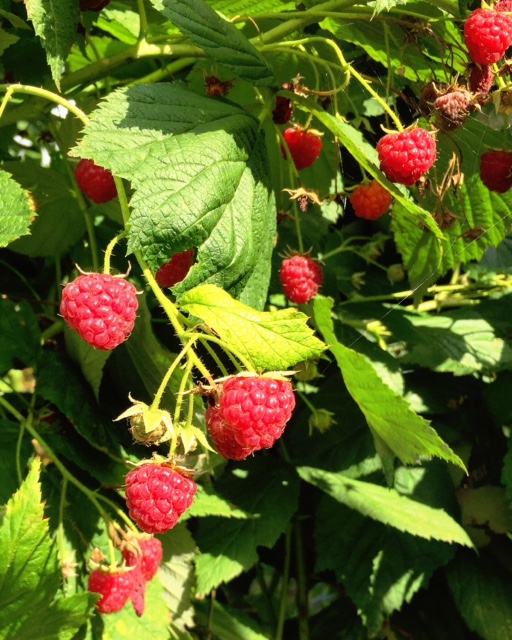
[[30, 574], [55, 23], [229, 623], [269, 340], [19, 335], [388, 506], [6, 40], [199, 169], [59, 223], [218, 38], [177, 575], [209, 503], [15, 20], [15, 210], [481, 590], [407, 434], [91, 361], [268, 494]]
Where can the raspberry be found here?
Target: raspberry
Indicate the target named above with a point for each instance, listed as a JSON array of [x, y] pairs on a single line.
[[115, 589], [150, 559], [370, 201], [301, 278], [487, 34], [451, 110], [304, 146], [95, 182], [283, 110], [93, 5], [481, 78], [503, 5], [251, 414], [176, 269], [405, 157], [157, 496], [101, 308], [496, 170]]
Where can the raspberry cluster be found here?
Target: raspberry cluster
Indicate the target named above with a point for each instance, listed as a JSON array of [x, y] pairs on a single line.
[[250, 413], [157, 495], [370, 201], [129, 582], [301, 278], [100, 308]]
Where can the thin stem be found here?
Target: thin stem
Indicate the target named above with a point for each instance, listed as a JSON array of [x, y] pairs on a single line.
[[143, 28], [216, 358], [284, 584], [109, 249], [229, 349], [302, 591], [267, 596], [161, 389], [53, 330]]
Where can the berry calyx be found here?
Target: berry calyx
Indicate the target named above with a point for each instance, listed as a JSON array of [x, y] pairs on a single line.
[[95, 182], [301, 278], [100, 308], [487, 34], [115, 588], [304, 147], [250, 414], [156, 496], [496, 170], [405, 157], [150, 557], [370, 201], [176, 269], [283, 110]]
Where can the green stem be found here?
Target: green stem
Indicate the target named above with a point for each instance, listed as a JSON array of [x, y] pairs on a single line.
[[143, 28], [53, 330], [179, 402], [41, 93], [302, 591], [284, 585], [165, 381], [247, 366], [109, 249]]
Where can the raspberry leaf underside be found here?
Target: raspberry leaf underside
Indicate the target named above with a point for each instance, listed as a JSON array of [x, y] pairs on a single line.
[[199, 169], [269, 340]]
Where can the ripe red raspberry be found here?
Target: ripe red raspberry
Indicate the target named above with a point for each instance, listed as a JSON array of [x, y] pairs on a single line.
[[481, 78], [95, 182], [283, 110], [150, 559], [157, 496], [451, 110], [301, 278], [503, 5], [100, 308], [496, 170], [93, 5], [405, 157], [370, 201], [487, 34], [176, 269], [303, 146], [251, 414], [115, 589]]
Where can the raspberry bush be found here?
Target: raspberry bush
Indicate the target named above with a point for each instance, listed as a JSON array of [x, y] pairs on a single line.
[[255, 286]]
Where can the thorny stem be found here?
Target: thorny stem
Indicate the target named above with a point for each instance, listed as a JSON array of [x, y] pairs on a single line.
[[161, 389], [109, 249]]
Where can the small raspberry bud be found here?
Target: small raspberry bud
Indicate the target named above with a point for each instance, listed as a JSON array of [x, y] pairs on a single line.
[[481, 78], [321, 420], [283, 110], [487, 34], [100, 308], [301, 278], [95, 182], [176, 269], [396, 273], [405, 157], [496, 170], [251, 414], [370, 201], [157, 496], [149, 559], [304, 147], [115, 589], [451, 110]]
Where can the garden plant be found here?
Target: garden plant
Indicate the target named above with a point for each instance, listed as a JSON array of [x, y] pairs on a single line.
[[255, 320]]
